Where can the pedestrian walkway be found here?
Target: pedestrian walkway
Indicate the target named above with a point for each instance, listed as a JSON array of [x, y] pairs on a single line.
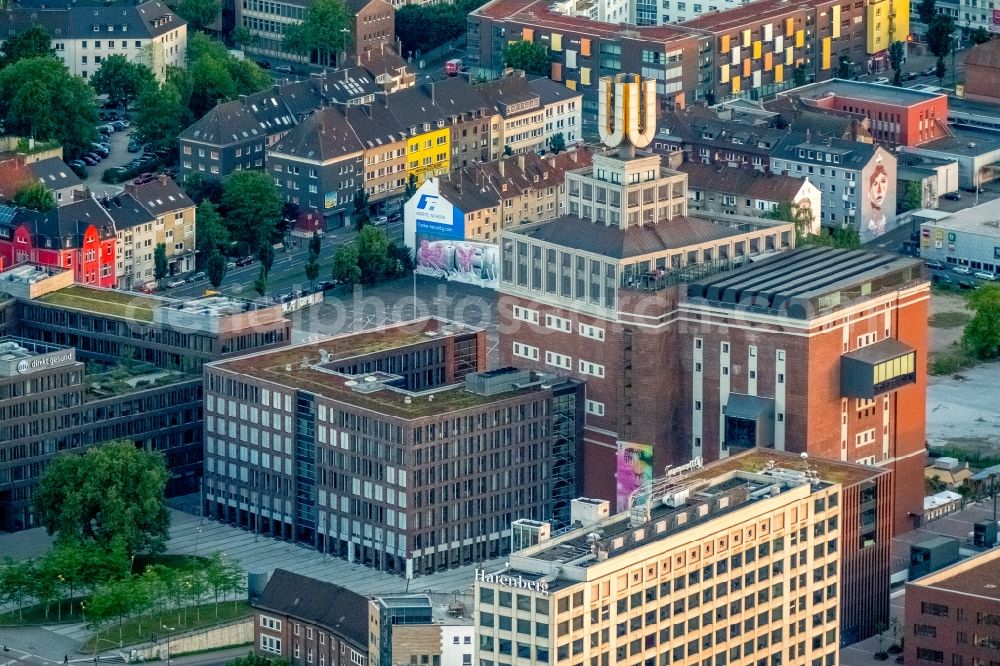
[[190, 535]]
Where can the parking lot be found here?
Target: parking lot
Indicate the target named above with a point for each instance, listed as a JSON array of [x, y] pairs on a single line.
[[119, 157]]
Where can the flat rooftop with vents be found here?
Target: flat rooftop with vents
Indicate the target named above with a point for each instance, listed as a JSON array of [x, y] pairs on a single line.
[[675, 504], [806, 283]]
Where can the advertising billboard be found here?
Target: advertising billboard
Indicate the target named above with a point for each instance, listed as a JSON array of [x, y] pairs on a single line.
[[633, 468], [435, 215], [459, 260]]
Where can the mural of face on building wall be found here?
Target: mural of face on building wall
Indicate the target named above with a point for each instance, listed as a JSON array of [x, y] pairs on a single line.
[[878, 190]]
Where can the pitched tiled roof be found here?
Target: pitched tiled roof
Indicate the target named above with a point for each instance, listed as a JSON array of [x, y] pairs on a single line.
[[574, 232], [160, 196], [333, 607], [78, 21], [126, 211], [323, 136], [550, 91], [853, 154], [374, 124], [506, 91], [750, 182], [430, 103], [63, 227], [54, 173], [700, 126]]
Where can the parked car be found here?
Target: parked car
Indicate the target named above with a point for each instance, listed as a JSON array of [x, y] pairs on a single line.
[[116, 174], [121, 125], [145, 178], [936, 265], [912, 75], [176, 283], [200, 275], [395, 217], [930, 71], [967, 284], [230, 265], [380, 220], [953, 196], [882, 81], [940, 278], [244, 261], [94, 156], [88, 160], [99, 149], [79, 168], [263, 64], [105, 129], [283, 69], [985, 275], [107, 115], [147, 288], [133, 146], [962, 270]]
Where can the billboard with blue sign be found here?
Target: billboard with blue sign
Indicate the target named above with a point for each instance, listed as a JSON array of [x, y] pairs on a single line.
[[435, 215]]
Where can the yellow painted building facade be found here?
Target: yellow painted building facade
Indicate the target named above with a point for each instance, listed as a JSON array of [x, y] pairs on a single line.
[[886, 21], [427, 154]]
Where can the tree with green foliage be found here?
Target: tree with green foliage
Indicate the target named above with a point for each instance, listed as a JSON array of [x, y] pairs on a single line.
[[400, 260], [507, 150], [212, 234], [214, 75], [896, 53], [799, 75], [252, 659], [243, 37], [982, 334], [373, 254], [15, 583], [980, 36], [802, 216], [161, 266], [265, 253], [312, 270], [113, 600], [939, 40], [421, 28], [158, 115], [557, 143], [31, 43], [40, 98], [199, 13], [252, 208], [926, 11], [910, 196], [315, 244], [260, 283], [846, 238], [215, 267], [362, 213], [213, 84], [121, 79], [528, 56], [345, 265], [34, 197], [325, 30], [411, 187], [201, 189], [112, 494]]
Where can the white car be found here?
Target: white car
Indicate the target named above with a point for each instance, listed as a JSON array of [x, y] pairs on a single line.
[[962, 270], [176, 283], [380, 220], [983, 275], [882, 81]]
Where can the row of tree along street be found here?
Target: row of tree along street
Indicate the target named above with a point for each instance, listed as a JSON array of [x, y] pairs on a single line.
[[107, 511]]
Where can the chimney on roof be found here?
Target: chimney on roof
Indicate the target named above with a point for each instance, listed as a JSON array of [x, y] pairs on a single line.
[[520, 162], [808, 135], [500, 166]]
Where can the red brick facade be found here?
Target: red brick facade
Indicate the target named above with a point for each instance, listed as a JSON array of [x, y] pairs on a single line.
[[650, 389]]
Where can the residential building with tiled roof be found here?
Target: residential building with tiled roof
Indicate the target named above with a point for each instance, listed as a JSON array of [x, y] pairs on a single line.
[[57, 178], [319, 165], [149, 33], [522, 189], [78, 237], [134, 240], [318, 621], [715, 188]]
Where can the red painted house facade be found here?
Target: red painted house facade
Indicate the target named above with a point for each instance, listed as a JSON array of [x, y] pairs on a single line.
[[79, 237]]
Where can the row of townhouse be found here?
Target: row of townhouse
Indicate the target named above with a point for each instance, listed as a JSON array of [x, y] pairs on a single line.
[[148, 33], [105, 243], [751, 51], [322, 139]]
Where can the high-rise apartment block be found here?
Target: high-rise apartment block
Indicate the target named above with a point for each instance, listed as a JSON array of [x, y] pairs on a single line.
[[392, 448], [737, 563]]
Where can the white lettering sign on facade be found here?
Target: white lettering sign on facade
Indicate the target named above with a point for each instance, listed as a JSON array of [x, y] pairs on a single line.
[[25, 366], [516, 582]]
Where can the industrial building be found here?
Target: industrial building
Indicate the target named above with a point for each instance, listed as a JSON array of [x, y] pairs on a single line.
[[392, 448], [968, 238]]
